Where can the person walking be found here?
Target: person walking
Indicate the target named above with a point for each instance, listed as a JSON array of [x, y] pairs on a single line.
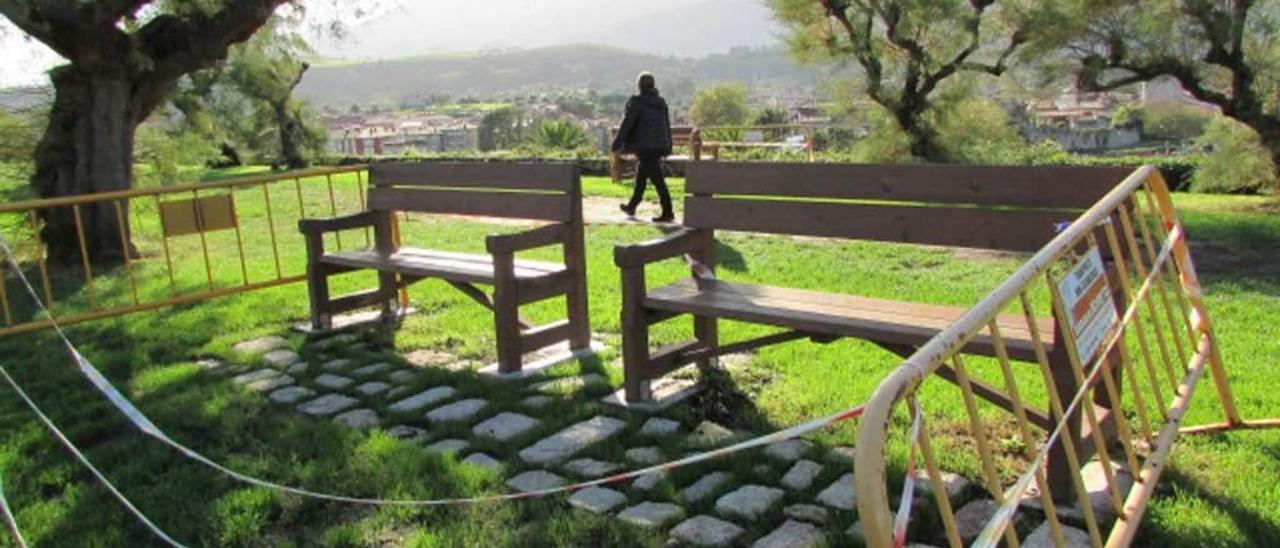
[[646, 132]]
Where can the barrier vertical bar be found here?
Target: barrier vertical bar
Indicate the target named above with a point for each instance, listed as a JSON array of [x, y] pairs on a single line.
[[940, 494], [333, 209], [204, 242], [1174, 333], [984, 448], [4, 291], [1168, 271], [1127, 288], [271, 227], [164, 240], [1127, 226], [84, 257], [360, 195], [235, 221], [1055, 403], [1020, 412], [40, 255], [124, 248]]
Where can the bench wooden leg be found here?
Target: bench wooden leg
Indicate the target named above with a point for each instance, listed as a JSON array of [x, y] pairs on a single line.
[[576, 298], [506, 313], [388, 291], [705, 329], [635, 337], [1059, 469], [318, 285]]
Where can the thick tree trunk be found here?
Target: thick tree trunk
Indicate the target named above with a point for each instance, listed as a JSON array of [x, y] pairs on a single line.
[[922, 138], [87, 148], [290, 136]]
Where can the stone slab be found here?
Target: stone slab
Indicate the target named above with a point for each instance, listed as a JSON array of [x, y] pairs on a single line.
[[801, 475], [954, 484], [298, 368], [648, 481], [972, 518], [537, 401], [328, 405], [788, 451], [338, 365], [535, 480], [651, 514], [505, 426], [591, 468], [410, 434], [459, 411], [811, 513], [658, 426], [748, 502], [706, 531], [270, 384], [647, 456], [281, 358], [422, 400], [705, 487], [709, 434], [362, 419], [292, 394], [484, 461], [447, 446], [254, 376], [598, 500], [666, 393], [839, 494], [571, 440], [1042, 537], [373, 388], [333, 382], [260, 345], [402, 376], [792, 534], [371, 370]]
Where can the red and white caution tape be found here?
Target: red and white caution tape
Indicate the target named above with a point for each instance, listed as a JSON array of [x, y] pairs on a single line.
[[9, 519], [909, 484]]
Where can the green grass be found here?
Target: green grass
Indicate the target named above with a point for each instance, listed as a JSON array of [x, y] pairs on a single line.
[[1220, 490]]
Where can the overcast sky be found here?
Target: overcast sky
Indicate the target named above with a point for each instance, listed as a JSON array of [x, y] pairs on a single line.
[[417, 27]]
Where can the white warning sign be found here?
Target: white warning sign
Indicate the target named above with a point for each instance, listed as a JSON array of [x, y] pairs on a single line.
[[1087, 300]]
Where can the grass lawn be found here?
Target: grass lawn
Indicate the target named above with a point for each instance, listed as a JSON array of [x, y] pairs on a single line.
[[1220, 490]]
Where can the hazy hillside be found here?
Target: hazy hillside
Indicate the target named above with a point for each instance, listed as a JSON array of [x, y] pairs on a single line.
[[600, 68]]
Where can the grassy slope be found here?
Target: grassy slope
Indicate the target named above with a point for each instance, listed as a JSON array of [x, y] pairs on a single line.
[[1222, 490]]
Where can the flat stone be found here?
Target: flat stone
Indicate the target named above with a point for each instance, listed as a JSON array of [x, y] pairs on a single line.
[[954, 484], [373, 388], [649, 481], [398, 392], [706, 486], [598, 500], [839, 494], [422, 400], [710, 434], [371, 370], [645, 455], [327, 405], [254, 376], [447, 446], [298, 368], [484, 461], [788, 451], [811, 513], [591, 468], [402, 376], [706, 531], [334, 341], [337, 365], [841, 455], [538, 401], [291, 394], [801, 475], [361, 419], [651, 514], [973, 517], [1095, 482], [535, 480], [459, 411], [567, 442], [792, 534], [269, 384], [505, 426], [658, 426], [260, 345], [281, 358], [1042, 537], [333, 382], [855, 532], [748, 501], [410, 434]]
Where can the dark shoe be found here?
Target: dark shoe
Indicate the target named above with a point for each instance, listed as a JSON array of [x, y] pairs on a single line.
[[630, 211], [668, 218]]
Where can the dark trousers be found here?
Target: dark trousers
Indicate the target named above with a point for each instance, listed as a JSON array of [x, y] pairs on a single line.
[[650, 169]]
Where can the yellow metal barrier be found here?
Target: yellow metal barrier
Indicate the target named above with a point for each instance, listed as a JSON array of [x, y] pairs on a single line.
[[193, 242], [1132, 336]]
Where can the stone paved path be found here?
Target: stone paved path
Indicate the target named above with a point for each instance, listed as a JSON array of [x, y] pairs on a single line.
[[548, 431]]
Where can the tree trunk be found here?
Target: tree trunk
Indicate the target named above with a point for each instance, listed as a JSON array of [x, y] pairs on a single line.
[[290, 136], [87, 148], [922, 138]]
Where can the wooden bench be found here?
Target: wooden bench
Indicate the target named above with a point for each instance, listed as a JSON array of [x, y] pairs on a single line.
[[681, 136], [539, 192], [1009, 209]]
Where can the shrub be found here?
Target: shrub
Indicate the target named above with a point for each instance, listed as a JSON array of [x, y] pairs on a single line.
[[1237, 163]]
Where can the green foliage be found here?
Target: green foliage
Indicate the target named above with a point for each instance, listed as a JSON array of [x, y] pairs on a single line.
[[1126, 116], [975, 130], [560, 135], [170, 156], [721, 105], [501, 128], [1173, 120], [1237, 163]]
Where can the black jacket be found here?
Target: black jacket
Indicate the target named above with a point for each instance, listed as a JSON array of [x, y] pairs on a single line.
[[646, 127]]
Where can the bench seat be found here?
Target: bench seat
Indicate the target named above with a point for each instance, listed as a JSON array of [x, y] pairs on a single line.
[[425, 263], [880, 320]]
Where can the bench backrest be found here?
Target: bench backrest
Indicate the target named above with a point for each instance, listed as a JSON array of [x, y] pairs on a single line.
[[534, 191], [1004, 208], [681, 136]]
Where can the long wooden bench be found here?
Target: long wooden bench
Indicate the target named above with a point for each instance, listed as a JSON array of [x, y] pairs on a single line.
[[998, 208], [538, 192], [681, 137]]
